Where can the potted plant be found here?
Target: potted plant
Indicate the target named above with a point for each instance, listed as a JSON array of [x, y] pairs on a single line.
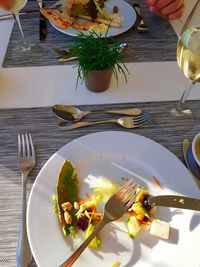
[[98, 58]]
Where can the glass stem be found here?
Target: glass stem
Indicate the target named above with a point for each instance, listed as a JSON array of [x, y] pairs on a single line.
[[184, 96], [24, 46]]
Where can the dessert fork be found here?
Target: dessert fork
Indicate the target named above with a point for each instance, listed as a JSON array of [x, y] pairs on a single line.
[[114, 208], [126, 122], [26, 162]]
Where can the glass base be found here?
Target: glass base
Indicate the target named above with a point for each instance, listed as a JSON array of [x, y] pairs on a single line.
[[181, 113], [175, 121], [27, 48]]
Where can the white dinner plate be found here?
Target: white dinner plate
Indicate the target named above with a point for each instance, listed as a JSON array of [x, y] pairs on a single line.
[[125, 10], [116, 154]]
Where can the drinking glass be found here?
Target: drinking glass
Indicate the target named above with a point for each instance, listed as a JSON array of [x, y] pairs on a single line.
[[14, 6], [180, 118], [188, 58]]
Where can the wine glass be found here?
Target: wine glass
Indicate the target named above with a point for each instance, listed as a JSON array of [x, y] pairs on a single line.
[[188, 58], [180, 118], [14, 6]]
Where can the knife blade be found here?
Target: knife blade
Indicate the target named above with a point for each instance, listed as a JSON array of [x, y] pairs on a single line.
[[174, 201], [141, 27], [8, 16]]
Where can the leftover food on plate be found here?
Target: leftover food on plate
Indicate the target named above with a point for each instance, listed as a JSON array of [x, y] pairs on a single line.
[[89, 15], [57, 18], [116, 264], [66, 195], [77, 214]]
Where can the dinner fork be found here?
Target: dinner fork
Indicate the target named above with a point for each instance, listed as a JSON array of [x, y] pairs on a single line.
[[114, 208], [126, 122], [26, 162]]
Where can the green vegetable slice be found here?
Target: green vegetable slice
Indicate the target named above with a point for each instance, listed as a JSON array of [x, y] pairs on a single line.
[[67, 191]]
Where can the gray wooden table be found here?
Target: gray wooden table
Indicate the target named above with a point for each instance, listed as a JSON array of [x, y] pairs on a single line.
[[157, 45], [43, 125]]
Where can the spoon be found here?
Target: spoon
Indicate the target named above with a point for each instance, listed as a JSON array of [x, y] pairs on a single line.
[[71, 113], [190, 161], [126, 122]]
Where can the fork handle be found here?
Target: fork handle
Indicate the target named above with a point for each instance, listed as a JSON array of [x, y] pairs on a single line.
[[83, 246], [23, 254], [65, 126]]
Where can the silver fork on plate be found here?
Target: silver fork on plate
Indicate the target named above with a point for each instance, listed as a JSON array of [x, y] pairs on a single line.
[[26, 162], [126, 122], [114, 208]]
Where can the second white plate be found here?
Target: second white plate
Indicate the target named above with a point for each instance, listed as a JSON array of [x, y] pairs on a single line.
[[125, 10]]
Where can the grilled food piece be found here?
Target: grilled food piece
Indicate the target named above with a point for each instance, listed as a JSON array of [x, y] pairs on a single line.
[[62, 21], [92, 10]]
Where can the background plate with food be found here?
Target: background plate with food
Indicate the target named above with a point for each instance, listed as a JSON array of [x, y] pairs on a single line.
[[87, 15]]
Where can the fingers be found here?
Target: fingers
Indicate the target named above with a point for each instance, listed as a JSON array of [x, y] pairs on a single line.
[[155, 10], [177, 14], [172, 4], [151, 2], [169, 9]]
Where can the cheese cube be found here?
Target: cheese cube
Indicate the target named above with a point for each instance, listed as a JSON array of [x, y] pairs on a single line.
[[160, 229]]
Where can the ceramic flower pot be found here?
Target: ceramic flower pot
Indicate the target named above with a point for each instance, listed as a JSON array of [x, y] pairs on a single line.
[[98, 80]]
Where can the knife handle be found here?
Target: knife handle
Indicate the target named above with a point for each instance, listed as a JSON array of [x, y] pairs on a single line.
[[142, 26], [43, 25]]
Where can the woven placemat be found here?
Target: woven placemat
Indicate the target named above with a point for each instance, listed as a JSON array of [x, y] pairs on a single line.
[[43, 125]]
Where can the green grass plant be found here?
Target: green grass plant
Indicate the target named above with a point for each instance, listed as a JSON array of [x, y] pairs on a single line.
[[96, 52]]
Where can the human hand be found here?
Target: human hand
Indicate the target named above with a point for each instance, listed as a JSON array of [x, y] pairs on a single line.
[[168, 9]]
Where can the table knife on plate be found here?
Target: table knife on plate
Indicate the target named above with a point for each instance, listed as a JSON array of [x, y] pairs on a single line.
[[174, 201]]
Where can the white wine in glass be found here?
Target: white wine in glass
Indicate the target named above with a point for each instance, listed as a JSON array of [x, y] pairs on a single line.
[[14, 6], [188, 57], [180, 119]]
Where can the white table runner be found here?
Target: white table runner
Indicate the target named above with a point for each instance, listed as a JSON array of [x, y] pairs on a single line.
[[45, 86]]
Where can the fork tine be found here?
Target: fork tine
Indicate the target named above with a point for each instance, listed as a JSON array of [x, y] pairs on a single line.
[[27, 146], [130, 202], [125, 191], [19, 146], [142, 120], [130, 193], [31, 145], [142, 117], [120, 193], [23, 146]]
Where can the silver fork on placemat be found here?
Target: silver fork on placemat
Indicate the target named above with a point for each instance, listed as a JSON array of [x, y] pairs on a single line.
[[26, 162]]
